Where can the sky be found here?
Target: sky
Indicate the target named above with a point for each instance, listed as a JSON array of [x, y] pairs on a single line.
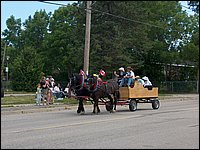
[[23, 9]]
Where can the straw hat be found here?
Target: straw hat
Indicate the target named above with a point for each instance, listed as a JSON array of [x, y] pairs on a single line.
[[137, 77], [129, 67]]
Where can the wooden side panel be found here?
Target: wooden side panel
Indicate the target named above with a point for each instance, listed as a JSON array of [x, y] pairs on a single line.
[[124, 93], [138, 91], [141, 92]]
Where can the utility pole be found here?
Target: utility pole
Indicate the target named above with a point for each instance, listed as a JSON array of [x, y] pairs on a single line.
[[87, 37], [2, 67]]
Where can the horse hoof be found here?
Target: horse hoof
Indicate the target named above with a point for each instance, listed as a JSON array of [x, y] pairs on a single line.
[[112, 111], [78, 111], [95, 113], [82, 112]]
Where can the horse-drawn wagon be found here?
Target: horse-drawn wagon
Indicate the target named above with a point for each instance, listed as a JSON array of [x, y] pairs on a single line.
[[110, 95]]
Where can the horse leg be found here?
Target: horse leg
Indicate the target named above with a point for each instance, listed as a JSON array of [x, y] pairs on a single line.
[[96, 108], [115, 101], [111, 103], [95, 105], [80, 106]]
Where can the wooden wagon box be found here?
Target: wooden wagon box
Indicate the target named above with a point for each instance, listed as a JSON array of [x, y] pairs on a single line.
[[138, 91]]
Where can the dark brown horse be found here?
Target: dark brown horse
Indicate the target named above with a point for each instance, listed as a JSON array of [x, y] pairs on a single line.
[[104, 90], [76, 88], [94, 91]]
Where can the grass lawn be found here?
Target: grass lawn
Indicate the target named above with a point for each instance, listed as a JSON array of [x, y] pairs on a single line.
[[13, 100]]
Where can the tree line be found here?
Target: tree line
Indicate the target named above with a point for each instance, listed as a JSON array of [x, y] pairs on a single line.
[[146, 35]]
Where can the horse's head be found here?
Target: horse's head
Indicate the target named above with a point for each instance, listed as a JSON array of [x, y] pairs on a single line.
[[74, 83]]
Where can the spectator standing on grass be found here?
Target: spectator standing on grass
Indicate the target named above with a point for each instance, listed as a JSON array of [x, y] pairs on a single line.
[[49, 93], [39, 94], [51, 82], [44, 89]]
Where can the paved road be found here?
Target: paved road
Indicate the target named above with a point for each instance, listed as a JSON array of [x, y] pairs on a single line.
[[174, 125]]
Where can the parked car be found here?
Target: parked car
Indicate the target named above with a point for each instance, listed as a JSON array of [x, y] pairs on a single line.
[[2, 89]]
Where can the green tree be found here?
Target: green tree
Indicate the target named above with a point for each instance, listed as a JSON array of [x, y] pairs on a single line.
[[190, 52], [64, 43], [13, 32], [26, 70], [168, 41], [21, 45], [114, 40], [36, 29]]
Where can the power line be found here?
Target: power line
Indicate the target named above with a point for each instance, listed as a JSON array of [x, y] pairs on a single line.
[[187, 7], [127, 18], [53, 3], [110, 15]]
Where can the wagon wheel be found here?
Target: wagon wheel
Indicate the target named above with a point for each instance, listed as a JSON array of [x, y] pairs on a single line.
[[155, 104], [132, 105], [108, 106]]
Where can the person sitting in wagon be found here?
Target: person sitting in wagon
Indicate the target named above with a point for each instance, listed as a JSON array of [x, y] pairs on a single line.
[[147, 82], [98, 78], [120, 74], [128, 78], [140, 81]]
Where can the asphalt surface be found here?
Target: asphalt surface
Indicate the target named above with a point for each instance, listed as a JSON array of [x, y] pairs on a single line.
[[175, 125]]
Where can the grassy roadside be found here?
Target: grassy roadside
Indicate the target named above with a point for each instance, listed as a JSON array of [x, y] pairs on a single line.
[[16, 100]]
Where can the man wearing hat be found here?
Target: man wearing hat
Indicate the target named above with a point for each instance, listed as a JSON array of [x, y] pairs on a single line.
[[129, 77], [120, 74]]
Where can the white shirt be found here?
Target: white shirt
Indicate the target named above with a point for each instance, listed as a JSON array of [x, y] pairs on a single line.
[[130, 73], [147, 83], [56, 89]]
